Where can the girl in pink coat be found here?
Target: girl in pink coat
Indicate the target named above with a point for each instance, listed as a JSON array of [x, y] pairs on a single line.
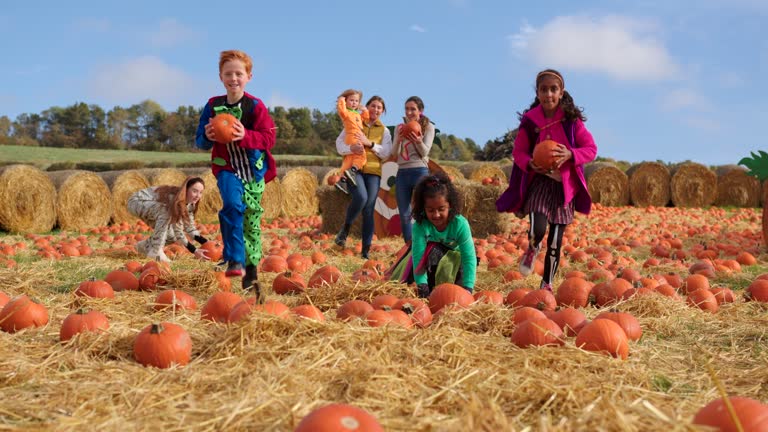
[[549, 196]]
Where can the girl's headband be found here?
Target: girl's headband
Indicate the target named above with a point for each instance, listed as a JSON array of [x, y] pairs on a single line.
[[554, 74]]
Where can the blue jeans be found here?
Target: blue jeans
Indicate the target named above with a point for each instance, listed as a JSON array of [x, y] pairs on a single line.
[[364, 199], [231, 216], [405, 182]]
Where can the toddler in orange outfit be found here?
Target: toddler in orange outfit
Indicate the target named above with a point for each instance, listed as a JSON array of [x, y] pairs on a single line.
[[347, 106]]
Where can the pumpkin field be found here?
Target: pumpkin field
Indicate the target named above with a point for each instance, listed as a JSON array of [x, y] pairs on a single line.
[[682, 293]]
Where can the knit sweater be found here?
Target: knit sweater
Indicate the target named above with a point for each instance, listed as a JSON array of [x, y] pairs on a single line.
[[457, 236], [410, 154]]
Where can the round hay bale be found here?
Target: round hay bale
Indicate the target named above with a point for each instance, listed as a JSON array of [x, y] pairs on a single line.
[[318, 170], [649, 184], [272, 200], [28, 200], [333, 209], [299, 193], [478, 205], [607, 184], [453, 172], [693, 185], [167, 176], [210, 203], [83, 200], [736, 188], [328, 174], [123, 184], [507, 168], [479, 171]]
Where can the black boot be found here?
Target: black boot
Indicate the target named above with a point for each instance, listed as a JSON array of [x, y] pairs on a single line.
[[341, 237], [251, 278], [366, 249]]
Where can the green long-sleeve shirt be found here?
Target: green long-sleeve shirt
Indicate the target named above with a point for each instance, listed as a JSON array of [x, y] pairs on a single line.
[[457, 236]]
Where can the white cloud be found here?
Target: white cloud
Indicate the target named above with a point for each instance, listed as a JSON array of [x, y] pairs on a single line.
[[278, 99], [169, 33], [621, 47], [97, 25], [685, 98], [417, 28], [138, 79]]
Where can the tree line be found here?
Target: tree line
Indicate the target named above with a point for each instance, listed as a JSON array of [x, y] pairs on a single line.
[[147, 126]]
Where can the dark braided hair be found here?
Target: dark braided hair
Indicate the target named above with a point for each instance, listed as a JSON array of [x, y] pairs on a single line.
[[432, 186], [571, 111]]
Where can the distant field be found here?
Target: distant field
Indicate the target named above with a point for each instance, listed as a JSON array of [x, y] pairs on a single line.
[[42, 157]]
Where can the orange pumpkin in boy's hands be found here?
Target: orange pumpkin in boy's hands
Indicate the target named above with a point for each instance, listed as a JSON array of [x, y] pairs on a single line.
[[544, 154], [411, 126], [224, 127]]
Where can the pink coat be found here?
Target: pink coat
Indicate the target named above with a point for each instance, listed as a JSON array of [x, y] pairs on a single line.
[[572, 171]]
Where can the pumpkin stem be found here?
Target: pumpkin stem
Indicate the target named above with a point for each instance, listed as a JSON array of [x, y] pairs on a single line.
[[157, 328], [80, 311]]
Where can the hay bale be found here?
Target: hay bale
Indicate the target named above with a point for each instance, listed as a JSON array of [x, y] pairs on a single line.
[[479, 207], [477, 171], [693, 185], [272, 200], [299, 193], [28, 200], [210, 203], [318, 170], [736, 188], [333, 208], [165, 176], [123, 184], [453, 172], [649, 184], [328, 174], [83, 200], [607, 184]]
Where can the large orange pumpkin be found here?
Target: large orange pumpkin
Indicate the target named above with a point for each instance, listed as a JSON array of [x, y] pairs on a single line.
[[95, 288], [176, 299], [224, 127], [627, 321], [81, 321], [602, 335], [219, 305], [411, 126], [22, 312], [288, 282], [214, 249], [574, 292], [353, 309], [122, 280], [704, 300], [543, 154], [327, 274], [752, 414], [537, 332], [416, 309], [309, 311], [757, 291], [338, 418], [570, 320], [163, 345], [449, 294]]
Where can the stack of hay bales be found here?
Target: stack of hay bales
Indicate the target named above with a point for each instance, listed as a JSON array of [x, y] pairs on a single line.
[[477, 171], [736, 188], [210, 203], [83, 200], [272, 200], [123, 184], [165, 176], [649, 184], [299, 188], [453, 173], [607, 184], [479, 207], [693, 185], [28, 200]]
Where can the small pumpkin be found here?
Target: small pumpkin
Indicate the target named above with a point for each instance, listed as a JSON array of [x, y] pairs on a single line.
[[338, 418], [752, 415], [539, 299], [704, 300], [416, 309], [122, 280], [447, 294], [95, 288], [544, 154], [384, 301], [627, 321], [757, 291], [526, 313], [288, 282], [176, 299], [214, 249], [224, 127], [81, 321], [605, 336], [537, 332], [573, 292], [22, 312], [327, 275], [163, 345], [513, 297], [308, 311], [353, 309], [489, 297], [570, 320], [219, 305]]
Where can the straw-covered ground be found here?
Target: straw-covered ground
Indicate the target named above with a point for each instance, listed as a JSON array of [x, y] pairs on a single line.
[[462, 373]]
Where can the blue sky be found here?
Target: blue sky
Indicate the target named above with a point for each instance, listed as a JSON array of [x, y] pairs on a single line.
[[668, 80]]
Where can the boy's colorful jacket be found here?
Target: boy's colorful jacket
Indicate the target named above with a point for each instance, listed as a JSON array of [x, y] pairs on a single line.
[[580, 143], [242, 157]]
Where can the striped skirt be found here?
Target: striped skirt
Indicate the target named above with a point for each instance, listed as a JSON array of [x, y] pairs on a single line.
[[545, 195]]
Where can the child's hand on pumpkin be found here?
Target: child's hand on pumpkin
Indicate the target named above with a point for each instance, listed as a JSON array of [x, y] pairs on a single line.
[[200, 254], [209, 133], [562, 154], [239, 131]]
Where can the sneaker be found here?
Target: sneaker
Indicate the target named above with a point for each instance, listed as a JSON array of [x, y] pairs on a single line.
[[341, 237], [546, 286], [342, 186], [526, 264], [234, 269], [351, 175], [251, 276]]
